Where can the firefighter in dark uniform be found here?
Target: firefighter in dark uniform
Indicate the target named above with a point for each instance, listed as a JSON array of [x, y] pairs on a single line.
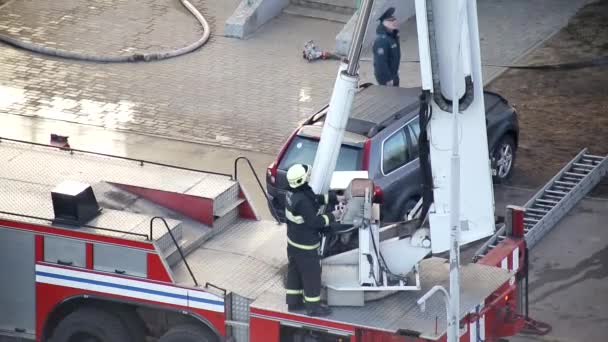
[[305, 224], [387, 51]]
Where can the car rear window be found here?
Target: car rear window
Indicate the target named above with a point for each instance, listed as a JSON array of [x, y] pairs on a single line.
[[303, 150]]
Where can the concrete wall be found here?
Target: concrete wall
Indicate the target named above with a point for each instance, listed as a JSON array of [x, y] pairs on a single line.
[[404, 9], [250, 15]]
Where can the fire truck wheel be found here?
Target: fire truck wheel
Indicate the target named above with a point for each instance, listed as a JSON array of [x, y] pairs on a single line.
[[135, 326], [187, 333], [91, 325]]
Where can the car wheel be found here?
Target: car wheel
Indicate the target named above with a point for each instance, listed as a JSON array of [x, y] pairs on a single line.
[[503, 157]]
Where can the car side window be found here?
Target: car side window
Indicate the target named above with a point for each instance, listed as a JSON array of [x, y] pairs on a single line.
[[395, 152], [414, 130]]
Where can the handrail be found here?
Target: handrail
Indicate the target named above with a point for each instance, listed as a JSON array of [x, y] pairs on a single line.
[[236, 161], [83, 226], [140, 161], [176, 245], [208, 285]]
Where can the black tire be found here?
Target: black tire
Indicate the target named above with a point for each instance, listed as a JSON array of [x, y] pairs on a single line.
[[134, 324], [89, 324], [503, 152], [188, 333]]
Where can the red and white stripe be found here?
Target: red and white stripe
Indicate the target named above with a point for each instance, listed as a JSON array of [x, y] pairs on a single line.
[[477, 329], [506, 255], [511, 261]]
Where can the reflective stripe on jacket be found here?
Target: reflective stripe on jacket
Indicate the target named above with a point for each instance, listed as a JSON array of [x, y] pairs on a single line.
[[304, 220]]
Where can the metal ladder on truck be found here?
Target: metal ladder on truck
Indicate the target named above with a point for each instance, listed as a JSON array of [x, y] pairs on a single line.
[[561, 194], [551, 203]]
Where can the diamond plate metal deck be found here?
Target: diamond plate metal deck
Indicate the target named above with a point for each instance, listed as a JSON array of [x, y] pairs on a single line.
[[29, 172], [246, 259], [35, 200], [399, 312], [50, 166], [249, 259]]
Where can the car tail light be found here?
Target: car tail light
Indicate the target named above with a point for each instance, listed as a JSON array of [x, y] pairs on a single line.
[[366, 151], [271, 172], [378, 195]]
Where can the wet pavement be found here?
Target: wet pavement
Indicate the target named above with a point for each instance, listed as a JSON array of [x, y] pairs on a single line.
[[569, 277], [245, 94], [240, 94]]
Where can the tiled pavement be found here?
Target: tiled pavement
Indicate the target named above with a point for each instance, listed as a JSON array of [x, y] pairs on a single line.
[[243, 94], [246, 94]]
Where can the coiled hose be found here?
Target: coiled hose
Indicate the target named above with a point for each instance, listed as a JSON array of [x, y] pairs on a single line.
[[154, 56]]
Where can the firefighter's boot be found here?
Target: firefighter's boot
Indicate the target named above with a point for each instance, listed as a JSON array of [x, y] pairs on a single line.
[[317, 309], [295, 307]]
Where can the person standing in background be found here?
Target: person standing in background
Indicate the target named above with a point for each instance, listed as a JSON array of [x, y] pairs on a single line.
[[387, 51]]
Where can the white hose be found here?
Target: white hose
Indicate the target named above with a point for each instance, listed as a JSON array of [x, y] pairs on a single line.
[[119, 59]]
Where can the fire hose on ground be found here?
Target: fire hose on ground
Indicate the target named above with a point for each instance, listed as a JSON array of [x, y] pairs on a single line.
[[153, 56], [312, 53]]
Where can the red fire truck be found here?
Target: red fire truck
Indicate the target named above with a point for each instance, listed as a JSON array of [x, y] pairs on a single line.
[[102, 248]]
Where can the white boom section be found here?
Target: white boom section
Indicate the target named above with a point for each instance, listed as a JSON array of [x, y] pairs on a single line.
[[476, 198], [333, 130], [340, 105]]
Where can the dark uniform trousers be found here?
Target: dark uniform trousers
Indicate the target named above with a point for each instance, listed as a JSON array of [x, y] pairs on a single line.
[[305, 224], [303, 276]]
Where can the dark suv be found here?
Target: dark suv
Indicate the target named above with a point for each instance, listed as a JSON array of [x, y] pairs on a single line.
[[382, 138]]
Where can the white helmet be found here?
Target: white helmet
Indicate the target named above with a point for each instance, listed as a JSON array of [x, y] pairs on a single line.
[[298, 174]]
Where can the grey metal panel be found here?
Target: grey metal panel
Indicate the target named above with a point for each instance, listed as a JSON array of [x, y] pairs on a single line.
[[226, 199], [247, 258], [60, 250], [17, 288], [242, 274], [135, 223], [400, 311], [120, 260], [240, 315], [211, 186]]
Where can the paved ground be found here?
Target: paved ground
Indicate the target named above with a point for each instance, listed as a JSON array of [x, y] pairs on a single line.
[[240, 94], [562, 111], [569, 277], [226, 93]]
